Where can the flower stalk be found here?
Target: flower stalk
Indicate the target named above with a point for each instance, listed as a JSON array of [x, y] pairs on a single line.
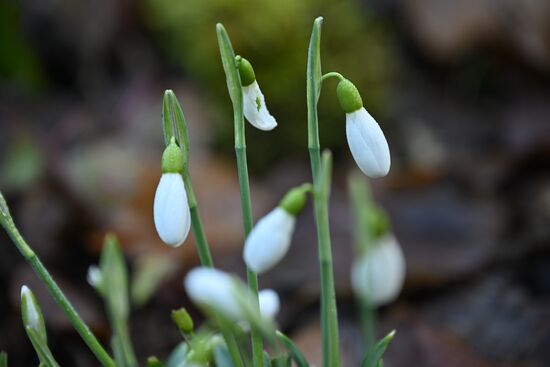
[[236, 94], [329, 317], [75, 319]]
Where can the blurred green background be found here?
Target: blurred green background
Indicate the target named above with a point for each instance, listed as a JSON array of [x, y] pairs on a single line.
[[461, 90]]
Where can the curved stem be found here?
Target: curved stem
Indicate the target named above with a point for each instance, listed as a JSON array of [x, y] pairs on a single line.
[[332, 74], [75, 319]]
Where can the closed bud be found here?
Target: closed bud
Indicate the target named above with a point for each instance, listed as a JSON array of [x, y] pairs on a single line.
[[217, 290], [269, 303], [31, 314], [183, 320], [269, 240], [254, 107], [377, 276]]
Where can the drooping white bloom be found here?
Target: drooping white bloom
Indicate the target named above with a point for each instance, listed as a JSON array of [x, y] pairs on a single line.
[[378, 275], [269, 303], [269, 240], [215, 289], [367, 143], [30, 311], [255, 109], [171, 210]]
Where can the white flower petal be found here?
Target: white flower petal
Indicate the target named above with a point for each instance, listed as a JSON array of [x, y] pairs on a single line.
[[215, 289], [94, 276], [378, 275], [269, 303], [269, 240], [171, 210], [367, 144], [255, 109]]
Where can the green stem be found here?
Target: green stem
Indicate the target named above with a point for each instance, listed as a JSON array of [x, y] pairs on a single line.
[[332, 74], [329, 316], [58, 295], [368, 323], [231, 342], [201, 242], [236, 94]]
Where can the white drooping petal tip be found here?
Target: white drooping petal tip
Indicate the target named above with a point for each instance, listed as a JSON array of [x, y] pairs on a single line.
[[368, 144], [215, 289], [171, 210], [269, 240], [255, 109], [269, 303], [378, 275], [94, 276]]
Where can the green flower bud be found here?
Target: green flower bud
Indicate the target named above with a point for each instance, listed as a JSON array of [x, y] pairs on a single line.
[[154, 362], [31, 314], [245, 70], [172, 158], [183, 321], [348, 96], [295, 199]]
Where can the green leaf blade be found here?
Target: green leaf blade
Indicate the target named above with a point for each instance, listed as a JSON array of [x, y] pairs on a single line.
[[295, 353], [374, 355]]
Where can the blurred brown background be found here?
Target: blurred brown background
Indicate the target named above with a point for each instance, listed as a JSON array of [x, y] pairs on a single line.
[[461, 89]]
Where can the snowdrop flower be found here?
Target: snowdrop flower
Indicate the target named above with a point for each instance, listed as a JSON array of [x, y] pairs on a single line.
[[269, 240], [269, 303], [366, 140], [30, 311], [254, 106], [377, 276], [218, 290], [171, 210]]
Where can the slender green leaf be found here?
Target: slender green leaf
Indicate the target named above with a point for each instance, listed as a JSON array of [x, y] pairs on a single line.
[[228, 61], [294, 351], [281, 361], [115, 293], [3, 359], [374, 354], [314, 61], [42, 350]]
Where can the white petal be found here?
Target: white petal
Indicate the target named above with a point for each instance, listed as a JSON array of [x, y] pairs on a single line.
[[215, 289], [255, 109], [171, 210], [367, 144], [378, 275], [269, 240], [94, 276], [269, 303]]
